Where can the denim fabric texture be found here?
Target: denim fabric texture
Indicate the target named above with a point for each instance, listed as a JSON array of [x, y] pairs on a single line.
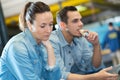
[[23, 59], [75, 57]]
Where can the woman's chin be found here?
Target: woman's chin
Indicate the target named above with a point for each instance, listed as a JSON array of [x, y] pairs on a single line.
[[45, 39]]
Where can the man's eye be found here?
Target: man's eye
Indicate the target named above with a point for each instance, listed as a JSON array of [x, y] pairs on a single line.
[[74, 21]]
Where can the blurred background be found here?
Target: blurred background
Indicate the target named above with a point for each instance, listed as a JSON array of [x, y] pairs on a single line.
[[96, 16]]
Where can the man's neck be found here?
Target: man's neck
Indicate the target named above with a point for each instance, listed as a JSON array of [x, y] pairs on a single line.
[[68, 37]]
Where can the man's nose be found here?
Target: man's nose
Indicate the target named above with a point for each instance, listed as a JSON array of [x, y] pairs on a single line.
[[80, 23]]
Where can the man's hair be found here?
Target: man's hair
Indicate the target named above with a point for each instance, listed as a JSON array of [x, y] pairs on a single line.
[[62, 14]]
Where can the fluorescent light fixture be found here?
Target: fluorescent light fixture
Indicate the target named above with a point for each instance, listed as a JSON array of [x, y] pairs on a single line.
[[81, 8]]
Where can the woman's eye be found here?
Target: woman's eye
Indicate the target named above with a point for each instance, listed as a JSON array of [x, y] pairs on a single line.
[[42, 26], [51, 25]]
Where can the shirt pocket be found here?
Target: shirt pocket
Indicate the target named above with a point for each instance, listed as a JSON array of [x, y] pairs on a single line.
[[82, 60]]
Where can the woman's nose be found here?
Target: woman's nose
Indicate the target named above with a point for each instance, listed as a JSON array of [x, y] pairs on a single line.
[[48, 29]]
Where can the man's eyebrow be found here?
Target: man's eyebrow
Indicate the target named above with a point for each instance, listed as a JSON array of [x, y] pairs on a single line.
[[75, 19]]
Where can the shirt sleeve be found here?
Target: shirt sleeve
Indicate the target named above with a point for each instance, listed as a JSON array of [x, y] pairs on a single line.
[[59, 59], [87, 57], [118, 32], [53, 73], [19, 63], [105, 40]]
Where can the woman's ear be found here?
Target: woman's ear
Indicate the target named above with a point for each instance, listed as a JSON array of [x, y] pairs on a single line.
[[62, 25], [29, 25]]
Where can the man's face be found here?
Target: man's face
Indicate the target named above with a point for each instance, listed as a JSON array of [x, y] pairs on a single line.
[[110, 28], [74, 23]]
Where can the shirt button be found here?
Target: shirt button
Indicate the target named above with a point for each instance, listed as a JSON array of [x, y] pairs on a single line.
[[70, 64], [69, 52]]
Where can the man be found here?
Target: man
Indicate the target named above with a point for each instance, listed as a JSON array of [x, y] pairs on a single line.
[[112, 41], [72, 51]]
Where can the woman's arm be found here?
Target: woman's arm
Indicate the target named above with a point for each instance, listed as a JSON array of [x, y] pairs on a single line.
[[19, 63]]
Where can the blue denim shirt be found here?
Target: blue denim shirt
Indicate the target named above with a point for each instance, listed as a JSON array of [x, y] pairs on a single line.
[[75, 57], [23, 59]]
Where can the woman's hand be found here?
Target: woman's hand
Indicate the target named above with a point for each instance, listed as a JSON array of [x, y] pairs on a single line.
[[50, 51]]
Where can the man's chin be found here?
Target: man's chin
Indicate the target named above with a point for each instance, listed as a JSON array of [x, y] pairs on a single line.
[[78, 35]]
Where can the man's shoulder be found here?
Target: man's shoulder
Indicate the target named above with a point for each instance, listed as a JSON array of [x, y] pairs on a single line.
[[80, 39], [54, 36]]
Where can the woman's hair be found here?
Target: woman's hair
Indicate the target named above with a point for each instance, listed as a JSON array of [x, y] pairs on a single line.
[[29, 12]]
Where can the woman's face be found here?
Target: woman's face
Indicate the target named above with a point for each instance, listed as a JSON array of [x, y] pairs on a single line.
[[42, 26]]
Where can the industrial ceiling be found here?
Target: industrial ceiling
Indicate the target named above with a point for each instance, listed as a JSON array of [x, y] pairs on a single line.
[[12, 8]]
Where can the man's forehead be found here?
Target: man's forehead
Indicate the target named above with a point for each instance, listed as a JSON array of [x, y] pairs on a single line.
[[75, 15]]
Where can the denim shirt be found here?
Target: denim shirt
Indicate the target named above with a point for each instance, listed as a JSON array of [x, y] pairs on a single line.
[[23, 59], [75, 57]]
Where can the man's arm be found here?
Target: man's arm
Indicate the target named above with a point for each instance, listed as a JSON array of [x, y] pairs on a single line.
[[101, 75], [97, 55]]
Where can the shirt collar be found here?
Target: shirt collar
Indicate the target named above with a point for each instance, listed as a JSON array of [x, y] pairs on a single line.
[[64, 42], [30, 37]]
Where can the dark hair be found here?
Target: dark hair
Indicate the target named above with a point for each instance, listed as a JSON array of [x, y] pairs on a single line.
[[62, 14], [29, 11], [110, 24]]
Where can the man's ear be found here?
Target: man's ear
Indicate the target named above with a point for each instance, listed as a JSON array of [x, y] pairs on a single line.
[[62, 25]]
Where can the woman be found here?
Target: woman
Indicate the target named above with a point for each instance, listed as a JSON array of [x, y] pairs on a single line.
[[29, 55]]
